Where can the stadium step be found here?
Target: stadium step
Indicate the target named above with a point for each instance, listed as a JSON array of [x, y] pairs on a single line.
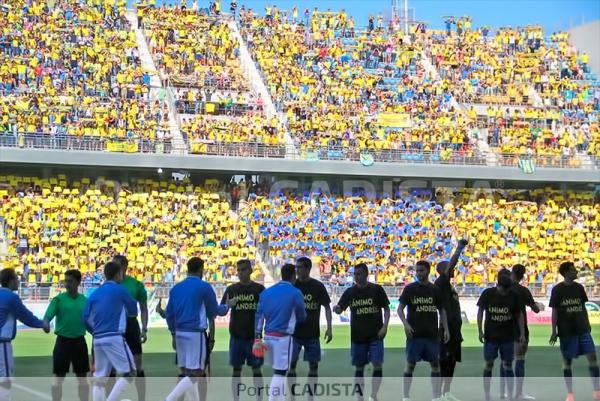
[[157, 90], [3, 245], [257, 84]]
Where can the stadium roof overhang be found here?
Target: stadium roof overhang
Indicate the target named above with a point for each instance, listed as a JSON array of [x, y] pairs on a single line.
[[246, 165]]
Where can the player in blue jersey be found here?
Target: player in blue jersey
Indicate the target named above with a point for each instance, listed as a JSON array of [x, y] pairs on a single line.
[[280, 308], [192, 304], [105, 315], [11, 310]]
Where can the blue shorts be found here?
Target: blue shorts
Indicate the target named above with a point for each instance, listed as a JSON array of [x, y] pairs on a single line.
[[575, 346], [363, 353], [312, 349], [506, 349], [240, 353], [422, 349]]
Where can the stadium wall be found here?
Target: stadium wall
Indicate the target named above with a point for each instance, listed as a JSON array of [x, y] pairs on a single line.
[[585, 39], [241, 165]]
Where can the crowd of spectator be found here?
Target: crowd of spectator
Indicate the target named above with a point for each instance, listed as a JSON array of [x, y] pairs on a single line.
[[71, 77], [539, 228], [53, 224], [71, 74], [354, 90]]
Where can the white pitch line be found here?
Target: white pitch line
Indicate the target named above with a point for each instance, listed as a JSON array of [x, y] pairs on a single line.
[[41, 395]]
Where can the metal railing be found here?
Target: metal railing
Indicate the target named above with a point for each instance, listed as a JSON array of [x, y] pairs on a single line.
[[85, 143], [334, 153], [199, 107], [260, 150], [42, 292], [559, 161]]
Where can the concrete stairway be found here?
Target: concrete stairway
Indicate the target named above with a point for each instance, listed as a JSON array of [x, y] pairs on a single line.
[[257, 84], [157, 91]]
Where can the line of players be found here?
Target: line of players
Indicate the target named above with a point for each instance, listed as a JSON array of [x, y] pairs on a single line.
[[287, 315]]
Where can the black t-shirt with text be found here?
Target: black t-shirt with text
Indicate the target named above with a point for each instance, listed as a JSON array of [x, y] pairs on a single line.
[[526, 300], [569, 301], [501, 314], [315, 296], [366, 317], [451, 304], [241, 320], [423, 302]]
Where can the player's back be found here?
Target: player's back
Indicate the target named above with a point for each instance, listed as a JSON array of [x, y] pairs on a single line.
[[191, 303], [107, 309], [282, 306]]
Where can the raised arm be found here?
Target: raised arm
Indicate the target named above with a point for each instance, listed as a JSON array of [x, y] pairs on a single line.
[[454, 259]]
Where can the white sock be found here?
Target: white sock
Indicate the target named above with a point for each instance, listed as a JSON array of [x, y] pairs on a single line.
[[277, 388], [98, 393], [119, 387], [181, 387], [192, 394], [4, 394]]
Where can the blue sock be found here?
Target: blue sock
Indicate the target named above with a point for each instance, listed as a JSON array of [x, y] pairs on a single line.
[[520, 375], [568, 374], [595, 375]]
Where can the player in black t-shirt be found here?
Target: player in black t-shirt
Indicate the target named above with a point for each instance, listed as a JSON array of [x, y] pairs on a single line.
[[368, 325], [450, 352], [517, 273], [571, 324], [502, 310], [241, 325], [421, 324], [307, 333]]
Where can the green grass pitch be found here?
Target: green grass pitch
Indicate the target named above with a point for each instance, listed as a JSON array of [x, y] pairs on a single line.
[[33, 350]]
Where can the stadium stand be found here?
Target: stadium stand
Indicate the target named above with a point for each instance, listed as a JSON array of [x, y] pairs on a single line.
[[71, 78], [549, 82], [53, 224], [198, 57], [539, 228], [345, 91]]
